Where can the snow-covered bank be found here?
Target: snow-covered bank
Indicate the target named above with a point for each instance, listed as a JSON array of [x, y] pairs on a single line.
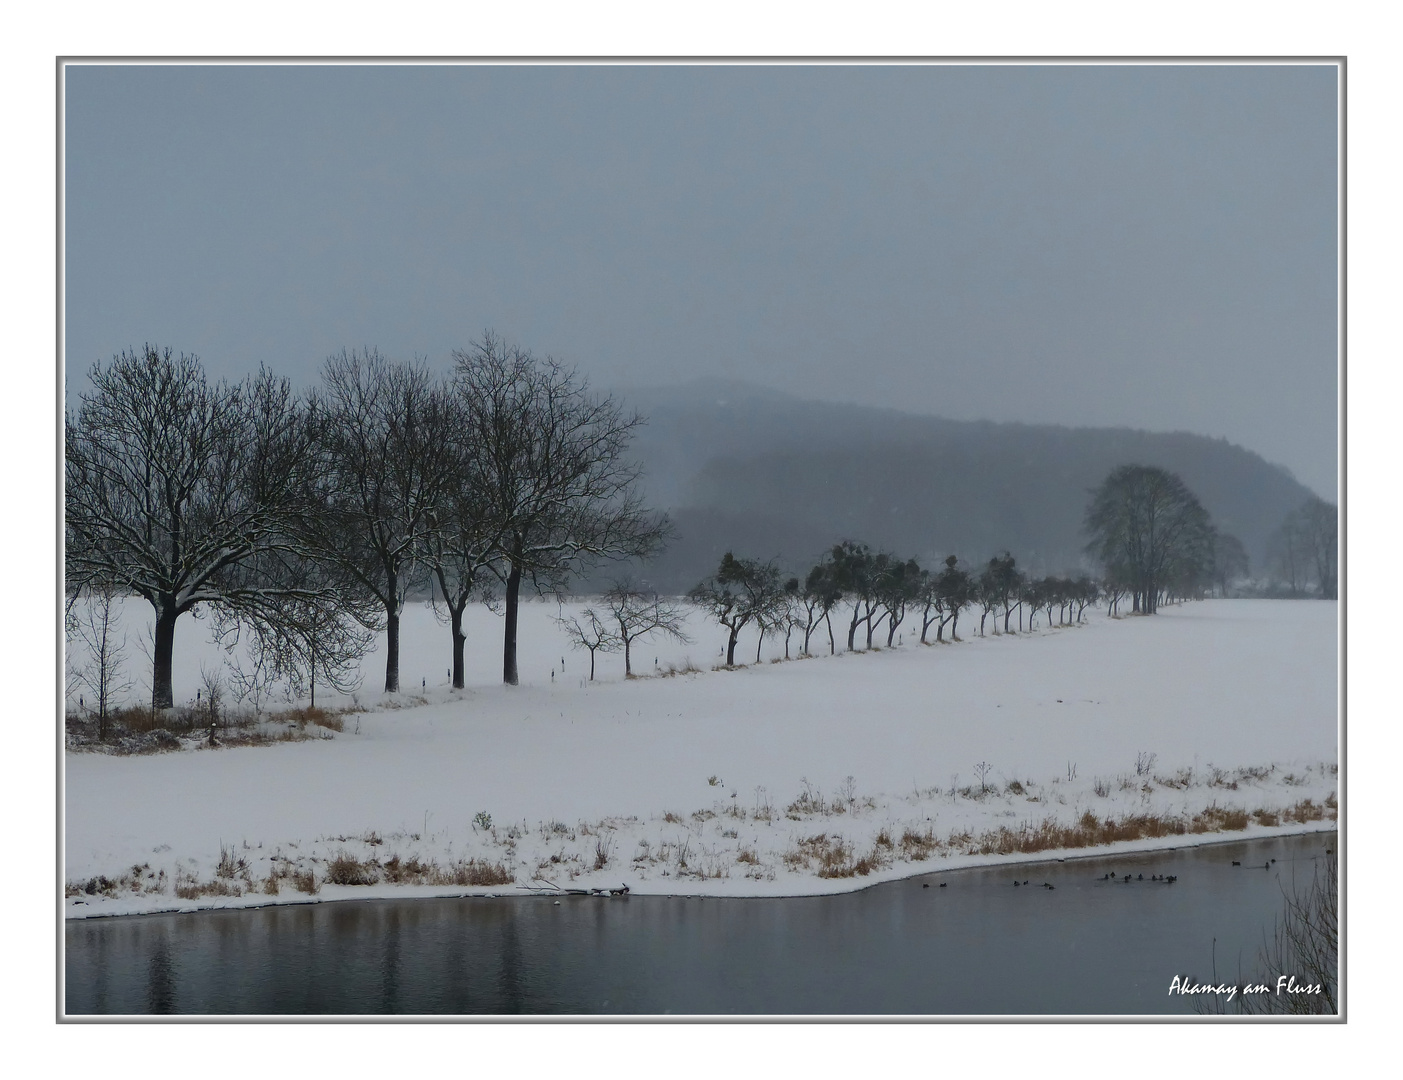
[[737, 782]]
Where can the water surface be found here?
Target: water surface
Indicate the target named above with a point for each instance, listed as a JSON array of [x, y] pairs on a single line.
[[978, 946]]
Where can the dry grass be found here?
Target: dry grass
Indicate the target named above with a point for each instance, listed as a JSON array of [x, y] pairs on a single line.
[[139, 879], [140, 730], [412, 871], [193, 889], [833, 857], [304, 881], [918, 847], [320, 717], [346, 869]]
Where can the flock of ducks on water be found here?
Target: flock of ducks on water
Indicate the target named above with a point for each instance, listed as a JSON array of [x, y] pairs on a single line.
[[1167, 879]]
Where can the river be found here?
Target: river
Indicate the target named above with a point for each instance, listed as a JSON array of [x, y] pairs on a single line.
[[979, 945]]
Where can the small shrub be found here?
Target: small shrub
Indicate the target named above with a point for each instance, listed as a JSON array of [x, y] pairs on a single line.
[[305, 881], [482, 820], [810, 801], [917, 847], [348, 870], [603, 848], [480, 872], [229, 865]]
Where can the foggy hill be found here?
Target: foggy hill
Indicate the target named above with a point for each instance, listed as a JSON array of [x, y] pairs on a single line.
[[769, 475]]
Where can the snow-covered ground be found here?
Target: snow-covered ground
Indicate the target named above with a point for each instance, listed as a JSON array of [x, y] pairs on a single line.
[[758, 781]]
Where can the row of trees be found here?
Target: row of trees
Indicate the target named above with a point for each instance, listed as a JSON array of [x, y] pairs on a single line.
[[305, 521], [1149, 532], [876, 592]]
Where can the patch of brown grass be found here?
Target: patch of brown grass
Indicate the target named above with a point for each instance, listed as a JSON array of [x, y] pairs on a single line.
[[1303, 811], [917, 847], [475, 872], [192, 889], [320, 717], [346, 869], [305, 881]]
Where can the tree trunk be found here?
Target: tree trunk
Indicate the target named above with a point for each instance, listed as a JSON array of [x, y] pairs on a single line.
[[392, 652], [162, 695], [731, 649], [591, 665], [459, 641], [832, 647], [758, 644], [509, 674], [628, 657], [852, 628]]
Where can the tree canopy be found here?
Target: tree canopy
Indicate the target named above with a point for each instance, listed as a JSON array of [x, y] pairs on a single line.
[[1149, 530]]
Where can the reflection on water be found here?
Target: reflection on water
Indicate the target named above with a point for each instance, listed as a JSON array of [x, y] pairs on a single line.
[[979, 946]]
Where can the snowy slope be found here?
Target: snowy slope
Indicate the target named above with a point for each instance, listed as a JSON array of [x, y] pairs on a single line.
[[621, 773]]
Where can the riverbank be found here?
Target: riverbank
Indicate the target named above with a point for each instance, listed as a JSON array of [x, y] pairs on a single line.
[[1111, 936], [1211, 721]]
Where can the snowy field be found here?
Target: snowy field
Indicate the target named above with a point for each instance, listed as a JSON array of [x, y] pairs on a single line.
[[809, 776]]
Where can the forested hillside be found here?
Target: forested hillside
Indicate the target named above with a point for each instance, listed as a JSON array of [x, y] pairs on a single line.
[[749, 469]]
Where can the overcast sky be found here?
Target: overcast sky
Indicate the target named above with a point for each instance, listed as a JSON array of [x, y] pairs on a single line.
[[1116, 245]]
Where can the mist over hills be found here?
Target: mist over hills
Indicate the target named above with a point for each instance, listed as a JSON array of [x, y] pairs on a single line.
[[770, 475]]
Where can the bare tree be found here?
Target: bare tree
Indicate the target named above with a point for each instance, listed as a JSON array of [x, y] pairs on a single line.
[[104, 674], [1145, 524], [174, 486], [821, 594], [1004, 581], [741, 592], [1304, 549], [304, 640], [592, 634], [895, 585], [957, 592], [1229, 561], [1299, 965], [637, 614], [385, 435], [854, 574], [464, 541], [550, 458]]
